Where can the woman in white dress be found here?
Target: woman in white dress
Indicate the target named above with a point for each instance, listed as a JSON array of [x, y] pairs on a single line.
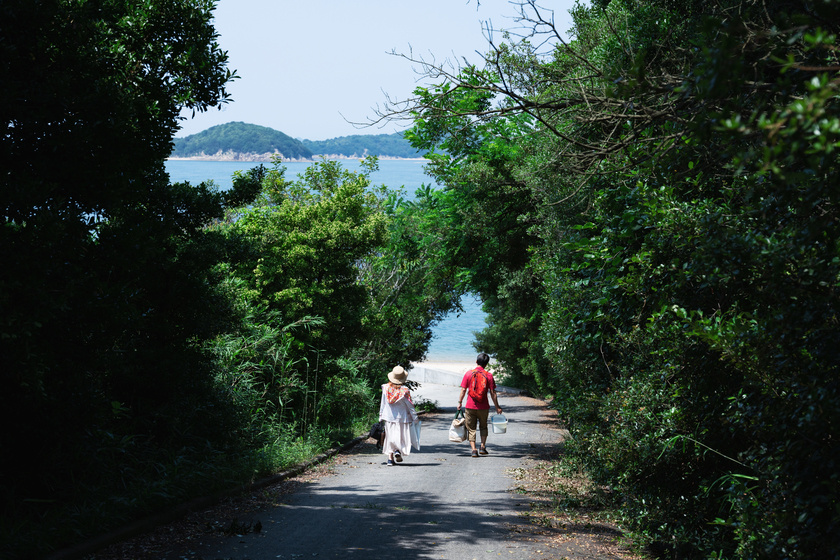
[[397, 410]]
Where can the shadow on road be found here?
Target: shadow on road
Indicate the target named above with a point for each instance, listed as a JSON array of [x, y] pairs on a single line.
[[438, 503]]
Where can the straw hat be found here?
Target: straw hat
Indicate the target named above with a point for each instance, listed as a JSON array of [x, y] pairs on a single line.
[[397, 375]]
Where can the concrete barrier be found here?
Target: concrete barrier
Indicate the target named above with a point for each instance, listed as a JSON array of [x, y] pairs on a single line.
[[423, 374], [449, 378]]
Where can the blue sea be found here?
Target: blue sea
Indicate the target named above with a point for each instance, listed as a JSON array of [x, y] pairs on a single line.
[[405, 173], [454, 336]]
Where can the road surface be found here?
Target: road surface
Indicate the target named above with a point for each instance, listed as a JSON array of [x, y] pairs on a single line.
[[438, 503]]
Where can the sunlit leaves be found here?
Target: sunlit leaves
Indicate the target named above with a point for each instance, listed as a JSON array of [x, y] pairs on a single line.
[[677, 169], [302, 243]]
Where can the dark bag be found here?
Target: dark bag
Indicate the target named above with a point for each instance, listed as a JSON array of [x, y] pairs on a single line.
[[377, 432]]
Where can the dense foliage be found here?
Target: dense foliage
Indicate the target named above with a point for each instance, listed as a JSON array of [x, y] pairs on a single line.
[[105, 281], [240, 138], [648, 211], [325, 255], [161, 341], [668, 181]]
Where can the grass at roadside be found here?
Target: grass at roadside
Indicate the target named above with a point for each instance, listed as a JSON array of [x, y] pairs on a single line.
[[154, 486]]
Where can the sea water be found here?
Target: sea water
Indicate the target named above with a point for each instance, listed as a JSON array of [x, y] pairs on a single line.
[[454, 336], [407, 174]]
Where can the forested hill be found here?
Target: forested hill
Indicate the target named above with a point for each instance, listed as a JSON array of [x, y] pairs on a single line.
[[358, 145], [238, 140]]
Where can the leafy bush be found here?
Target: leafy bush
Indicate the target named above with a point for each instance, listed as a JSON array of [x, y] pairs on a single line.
[[675, 255]]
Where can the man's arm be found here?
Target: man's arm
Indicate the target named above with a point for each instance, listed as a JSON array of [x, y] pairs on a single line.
[[495, 400], [461, 396]]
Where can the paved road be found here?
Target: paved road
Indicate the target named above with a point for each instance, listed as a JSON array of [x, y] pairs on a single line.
[[438, 503]]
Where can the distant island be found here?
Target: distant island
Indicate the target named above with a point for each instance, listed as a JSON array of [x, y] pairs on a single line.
[[238, 141]]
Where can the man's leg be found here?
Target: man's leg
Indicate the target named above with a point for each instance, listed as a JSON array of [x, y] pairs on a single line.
[[482, 423], [471, 418]]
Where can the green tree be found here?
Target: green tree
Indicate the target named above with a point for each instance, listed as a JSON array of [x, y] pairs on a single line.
[[681, 167], [300, 244], [294, 257], [679, 282], [487, 212], [411, 282], [107, 281]]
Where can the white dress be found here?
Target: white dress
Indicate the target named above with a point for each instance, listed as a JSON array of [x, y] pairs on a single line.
[[399, 417]]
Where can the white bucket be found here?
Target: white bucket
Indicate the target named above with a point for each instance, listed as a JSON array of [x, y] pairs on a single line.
[[499, 423]]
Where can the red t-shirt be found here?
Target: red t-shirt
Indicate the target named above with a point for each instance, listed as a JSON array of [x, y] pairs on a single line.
[[482, 404]]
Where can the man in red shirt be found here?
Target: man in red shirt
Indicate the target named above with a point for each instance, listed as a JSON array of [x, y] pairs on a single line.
[[477, 409]]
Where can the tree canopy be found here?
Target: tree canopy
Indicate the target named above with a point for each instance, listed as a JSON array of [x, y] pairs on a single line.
[[161, 341], [649, 212], [107, 282]]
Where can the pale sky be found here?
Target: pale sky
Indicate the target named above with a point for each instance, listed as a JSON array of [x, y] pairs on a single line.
[[307, 67]]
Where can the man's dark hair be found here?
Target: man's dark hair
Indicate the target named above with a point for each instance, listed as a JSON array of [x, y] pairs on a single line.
[[483, 359]]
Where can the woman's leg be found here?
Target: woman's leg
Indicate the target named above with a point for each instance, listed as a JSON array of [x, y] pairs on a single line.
[[387, 445]]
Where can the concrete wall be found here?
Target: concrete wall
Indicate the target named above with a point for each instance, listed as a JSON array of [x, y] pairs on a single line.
[[423, 374]]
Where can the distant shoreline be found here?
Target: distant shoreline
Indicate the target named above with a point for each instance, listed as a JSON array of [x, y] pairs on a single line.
[[267, 158]]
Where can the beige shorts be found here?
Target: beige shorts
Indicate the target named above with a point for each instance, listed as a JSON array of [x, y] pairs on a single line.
[[473, 416]]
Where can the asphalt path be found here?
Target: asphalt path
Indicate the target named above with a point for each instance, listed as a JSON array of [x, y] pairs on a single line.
[[438, 503]]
